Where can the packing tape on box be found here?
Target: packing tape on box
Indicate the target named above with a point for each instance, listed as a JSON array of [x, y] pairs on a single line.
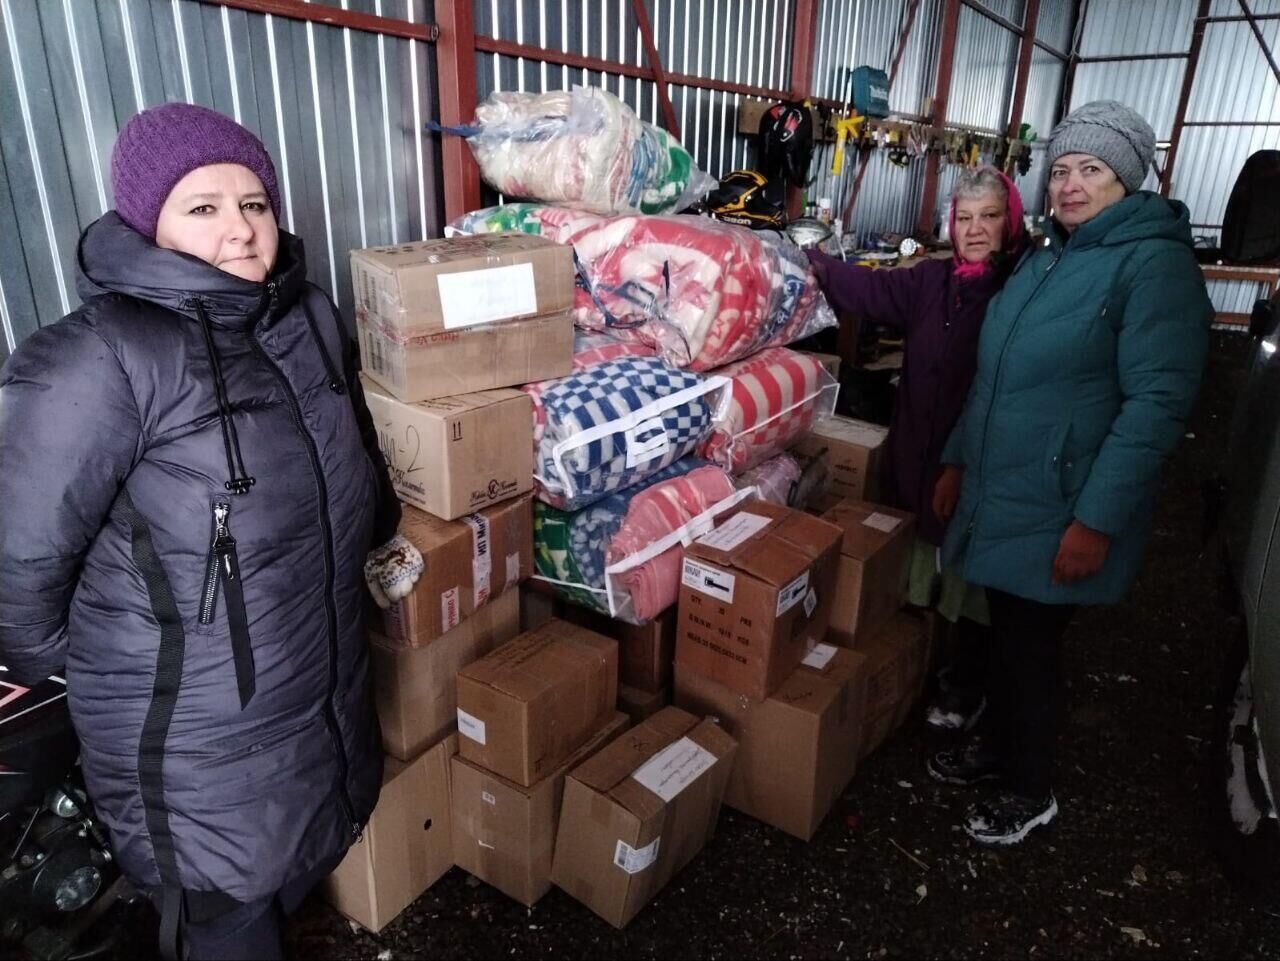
[[481, 557]]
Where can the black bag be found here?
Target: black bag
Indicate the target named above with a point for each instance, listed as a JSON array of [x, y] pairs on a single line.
[[1251, 226]]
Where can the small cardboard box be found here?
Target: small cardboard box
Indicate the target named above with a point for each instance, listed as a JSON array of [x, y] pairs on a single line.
[[875, 561], [456, 455], [894, 655], [505, 834], [854, 450], [646, 652], [641, 809], [468, 563], [756, 596], [407, 845], [455, 283], [456, 362], [798, 749], [415, 690], [638, 705], [530, 704]]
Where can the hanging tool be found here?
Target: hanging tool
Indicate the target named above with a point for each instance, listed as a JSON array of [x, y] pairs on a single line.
[[846, 128]]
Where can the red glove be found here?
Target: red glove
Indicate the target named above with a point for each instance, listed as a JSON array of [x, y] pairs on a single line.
[[946, 493], [1081, 554]]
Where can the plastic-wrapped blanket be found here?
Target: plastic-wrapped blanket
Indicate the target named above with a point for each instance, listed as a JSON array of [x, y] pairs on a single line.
[[775, 480], [775, 398], [584, 147], [623, 555], [589, 349], [704, 293], [609, 426]]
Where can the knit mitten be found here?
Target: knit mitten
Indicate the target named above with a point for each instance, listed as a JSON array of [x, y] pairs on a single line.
[[391, 570]]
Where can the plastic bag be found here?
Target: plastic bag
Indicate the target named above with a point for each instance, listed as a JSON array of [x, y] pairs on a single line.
[[609, 426], [623, 555], [775, 479], [775, 398], [584, 147]]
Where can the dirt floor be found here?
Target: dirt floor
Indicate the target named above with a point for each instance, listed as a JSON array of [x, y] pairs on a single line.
[[1127, 871]]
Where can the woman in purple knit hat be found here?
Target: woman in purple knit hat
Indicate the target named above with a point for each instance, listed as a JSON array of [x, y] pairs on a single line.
[[191, 492], [938, 307]]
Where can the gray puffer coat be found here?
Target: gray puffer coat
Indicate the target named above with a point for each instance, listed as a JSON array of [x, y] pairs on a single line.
[[190, 485]]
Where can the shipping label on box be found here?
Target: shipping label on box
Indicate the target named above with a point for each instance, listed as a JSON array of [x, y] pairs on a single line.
[[466, 564], [447, 284], [456, 455], [875, 562], [530, 704], [642, 808], [755, 601]]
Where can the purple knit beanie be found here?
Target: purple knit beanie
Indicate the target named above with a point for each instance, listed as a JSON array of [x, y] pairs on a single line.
[[160, 146]]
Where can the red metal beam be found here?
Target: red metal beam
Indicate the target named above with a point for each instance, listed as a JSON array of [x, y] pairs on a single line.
[[1024, 67], [946, 61], [1262, 42], [1188, 81], [655, 65], [991, 15], [804, 32], [510, 48], [456, 60], [336, 17]]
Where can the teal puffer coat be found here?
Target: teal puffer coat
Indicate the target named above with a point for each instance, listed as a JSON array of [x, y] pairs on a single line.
[[1088, 368]]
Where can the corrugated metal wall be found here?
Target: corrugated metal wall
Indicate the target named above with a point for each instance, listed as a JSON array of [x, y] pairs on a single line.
[[1234, 88], [746, 42], [339, 110]]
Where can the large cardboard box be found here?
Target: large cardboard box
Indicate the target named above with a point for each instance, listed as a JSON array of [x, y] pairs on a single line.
[[456, 455], [415, 690], [530, 704], [641, 809], [894, 654], [798, 749], [646, 652], [455, 283], [505, 834], [875, 561], [854, 450], [756, 597], [407, 845], [455, 362], [638, 705], [468, 563]]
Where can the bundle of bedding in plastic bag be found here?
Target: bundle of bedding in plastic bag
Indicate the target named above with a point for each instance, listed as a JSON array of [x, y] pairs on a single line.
[[774, 480], [582, 146], [702, 292], [611, 425], [775, 398], [622, 555]]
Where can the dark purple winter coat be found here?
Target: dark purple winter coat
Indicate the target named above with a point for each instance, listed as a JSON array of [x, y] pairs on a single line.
[[939, 316], [191, 483]]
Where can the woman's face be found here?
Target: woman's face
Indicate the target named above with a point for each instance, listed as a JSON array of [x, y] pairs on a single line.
[[1080, 187], [979, 226], [221, 214]]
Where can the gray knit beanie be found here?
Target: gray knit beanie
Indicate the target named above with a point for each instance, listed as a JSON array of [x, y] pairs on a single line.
[[1115, 134]]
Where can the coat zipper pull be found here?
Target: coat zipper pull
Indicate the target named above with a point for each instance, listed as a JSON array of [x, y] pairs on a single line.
[[219, 559]]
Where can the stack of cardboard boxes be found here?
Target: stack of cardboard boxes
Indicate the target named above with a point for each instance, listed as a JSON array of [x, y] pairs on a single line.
[[787, 655], [438, 319]]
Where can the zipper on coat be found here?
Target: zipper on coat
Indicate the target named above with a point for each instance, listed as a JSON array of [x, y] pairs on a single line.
[[995, 385], [331, 614], [223, 569]]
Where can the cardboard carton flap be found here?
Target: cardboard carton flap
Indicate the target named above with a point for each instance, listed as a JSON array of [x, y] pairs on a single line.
[[444, 407], [851, 431], [533, 663], [773, 554], [615, 763], [450, 250], [866, 527], [812, 690]]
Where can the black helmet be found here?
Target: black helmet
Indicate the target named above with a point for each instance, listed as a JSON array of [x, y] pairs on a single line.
[[749, 199], [786, 143]]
